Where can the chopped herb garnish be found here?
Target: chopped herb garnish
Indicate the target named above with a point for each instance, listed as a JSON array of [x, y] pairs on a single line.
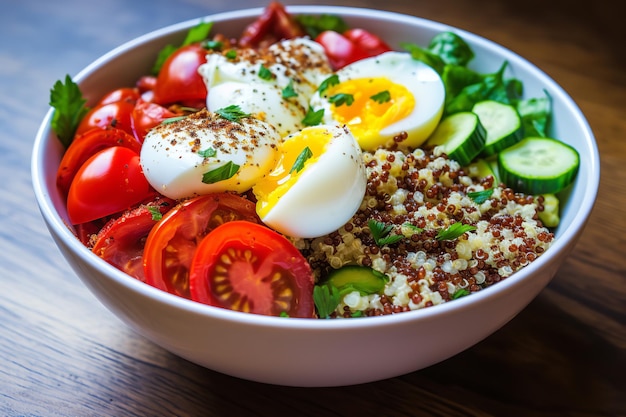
[[289, 91], [207, 153], [341, 99], [301, 159], [283, 314], [414, 229], [313, 117], [314, 25], [326, 298], [382, 97], [155, 212], [212, 45], [381, 233], [232, 54], [172, 120], [327, 83], [69, 109], [357, 314], [265, 73], [222, 173], [232, 113], [455, 230], [461, 292], [480, 197]]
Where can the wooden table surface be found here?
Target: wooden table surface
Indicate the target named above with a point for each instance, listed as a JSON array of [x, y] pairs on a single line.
[[63, 354]]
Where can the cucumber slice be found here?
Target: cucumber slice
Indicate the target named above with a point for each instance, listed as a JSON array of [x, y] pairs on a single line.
[[482, 168], [461, 135], [538, 165], [550, 215], [502, 123], [363, 279]]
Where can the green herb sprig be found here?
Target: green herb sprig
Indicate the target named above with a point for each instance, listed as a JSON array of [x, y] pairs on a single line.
[[232, 113], [381, 233], [224, 172], [454, 231], [69, 109]]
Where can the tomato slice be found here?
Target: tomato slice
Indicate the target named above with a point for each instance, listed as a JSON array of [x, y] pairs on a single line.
[[121, 241], [109, 182], [351, 46], [271, 26], [367, 42], [171, 244], [248, 267], [178, 80], [86, 145]]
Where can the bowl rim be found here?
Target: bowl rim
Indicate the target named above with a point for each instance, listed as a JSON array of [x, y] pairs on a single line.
[[58, 227]]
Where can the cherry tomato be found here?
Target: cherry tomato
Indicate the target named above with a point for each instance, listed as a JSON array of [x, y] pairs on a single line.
[[129, 94], [179, 80], [367, 42], [146, 83], [109, 182], [116, 114], [171, 244], [248, 267], [273, 25], [87, 144], [121, 241], [146, 115]]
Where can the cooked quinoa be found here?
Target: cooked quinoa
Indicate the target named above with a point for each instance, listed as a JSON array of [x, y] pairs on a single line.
[[419, 194]]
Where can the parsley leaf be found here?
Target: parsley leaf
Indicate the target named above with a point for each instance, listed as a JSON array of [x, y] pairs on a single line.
[[265, 73], [69, 108], [341, 99], [301, 159], [289, 91], [232, 113], [222, 173], [326, 298], [461, 292], [313, 117], [155, 212], [382, 97], [207, 153], [455, 230], [232, 54], [480, 197], [327, 83], [381, 233]]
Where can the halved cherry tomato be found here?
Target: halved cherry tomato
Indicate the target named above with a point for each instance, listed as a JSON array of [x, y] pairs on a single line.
[[171, 244], [248, 267], [121, 241], [116, 114], [351, 46], [109, 182], [273, 25], [86, 145], [178, 80], [146, 115], [129, 94]]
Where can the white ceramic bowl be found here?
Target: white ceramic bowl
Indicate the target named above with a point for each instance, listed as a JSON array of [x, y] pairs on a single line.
[[308, 352]]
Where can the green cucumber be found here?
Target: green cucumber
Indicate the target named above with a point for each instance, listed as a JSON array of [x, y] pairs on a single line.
[[550, 215], [502, 123], [461, 135], [482, 168], [538, 165], [363, 279]]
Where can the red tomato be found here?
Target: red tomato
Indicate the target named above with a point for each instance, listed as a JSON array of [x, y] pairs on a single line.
[[178, 80], [121, 241], [86, 145], [146, 115], [367, 42], [129, 94], [109, 182], [116, 114], [273, 25], [248, 267], [351, 46], [171, 244], [146, 83]]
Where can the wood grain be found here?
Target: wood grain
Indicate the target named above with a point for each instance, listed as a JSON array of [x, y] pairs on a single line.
[[64, 354]]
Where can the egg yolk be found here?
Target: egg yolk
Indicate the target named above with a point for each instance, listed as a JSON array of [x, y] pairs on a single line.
[[377, 103], [296, 153]]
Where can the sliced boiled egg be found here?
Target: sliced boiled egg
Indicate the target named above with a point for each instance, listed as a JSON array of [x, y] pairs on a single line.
[[317, 185], [274, 84], [206, 153], [379, 98]]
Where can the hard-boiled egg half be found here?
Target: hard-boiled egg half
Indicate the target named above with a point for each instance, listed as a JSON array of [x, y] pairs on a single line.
[[206, 153], [317, 185], [273, 84], [379, 98]]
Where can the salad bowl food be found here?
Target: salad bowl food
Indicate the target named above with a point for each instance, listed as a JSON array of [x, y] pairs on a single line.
[[338, 331]]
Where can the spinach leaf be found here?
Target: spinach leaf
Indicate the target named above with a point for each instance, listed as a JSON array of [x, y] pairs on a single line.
[[535, 114], [451, 48]]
